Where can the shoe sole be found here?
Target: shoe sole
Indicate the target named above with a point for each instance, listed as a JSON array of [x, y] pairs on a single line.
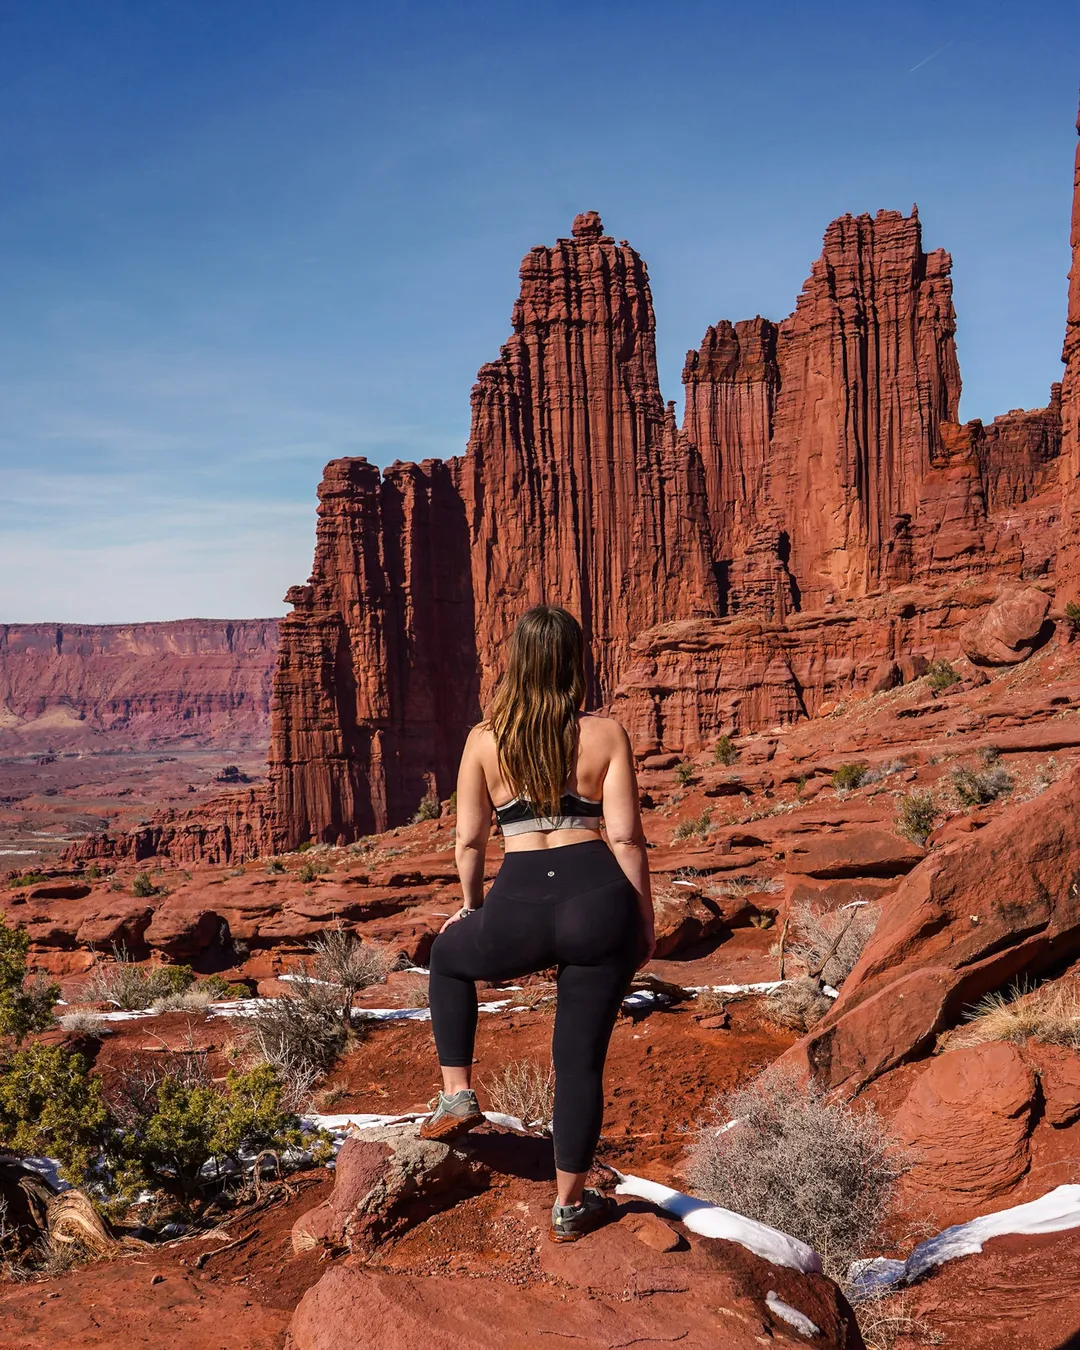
[[449, 1127]]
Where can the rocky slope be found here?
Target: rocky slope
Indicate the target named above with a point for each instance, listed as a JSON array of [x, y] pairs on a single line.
[[83, 686]]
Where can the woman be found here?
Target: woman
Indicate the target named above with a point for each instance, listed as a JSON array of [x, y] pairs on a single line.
[[562, 897]]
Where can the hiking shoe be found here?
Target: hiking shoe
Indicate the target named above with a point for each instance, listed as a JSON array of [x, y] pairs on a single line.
[[453, 1115], [570, 1222]]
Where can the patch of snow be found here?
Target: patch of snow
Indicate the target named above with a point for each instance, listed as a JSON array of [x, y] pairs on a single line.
[[761, 987], [1053, 1212], [792, 1316], [49, 1168], [712, 1221]]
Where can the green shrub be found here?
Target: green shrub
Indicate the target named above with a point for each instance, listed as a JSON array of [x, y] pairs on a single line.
[[158, 1128], [429, 809], [694, 827], [274, 867], [941, 676], [187, 1124], [218, 987], [1072, 615], [142, 887], [849, 776], [22, 1009], [976, 789], [50, 1105], [29, 879], [303, 848], [93, 872], [725, 751], [916, 815], [451, 805], [308, 872], [684, 773]]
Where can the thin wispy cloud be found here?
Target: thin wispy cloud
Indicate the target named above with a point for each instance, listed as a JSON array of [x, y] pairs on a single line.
[[919, 64]]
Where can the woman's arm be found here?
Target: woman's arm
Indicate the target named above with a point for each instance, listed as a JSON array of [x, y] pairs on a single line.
[[473, 823], [622, 818]]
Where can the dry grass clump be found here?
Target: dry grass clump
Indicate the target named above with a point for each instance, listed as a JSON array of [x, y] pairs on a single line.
[[885, 1323], [746, 885], [83, 1023], [1050, 1013], [823, 1172], [830, 942], [195, 999], [415, 990], [539, 998], [798, 1004], [524, 1089], [694, 827], [711, 1001]]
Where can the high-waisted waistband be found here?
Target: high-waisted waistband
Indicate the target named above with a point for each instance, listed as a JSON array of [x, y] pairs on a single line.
[[555, 874]]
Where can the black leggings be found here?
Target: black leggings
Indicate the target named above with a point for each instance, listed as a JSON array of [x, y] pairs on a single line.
[[569, 907]]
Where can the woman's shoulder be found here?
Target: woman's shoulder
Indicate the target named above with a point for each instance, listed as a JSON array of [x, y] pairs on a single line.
[[600, 728]]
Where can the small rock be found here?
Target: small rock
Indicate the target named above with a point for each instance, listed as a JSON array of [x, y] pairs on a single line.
[[655, 1233], [715, 1022], [157, 1279]]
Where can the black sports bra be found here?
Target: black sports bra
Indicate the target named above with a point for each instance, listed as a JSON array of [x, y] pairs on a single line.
[[575, 813]]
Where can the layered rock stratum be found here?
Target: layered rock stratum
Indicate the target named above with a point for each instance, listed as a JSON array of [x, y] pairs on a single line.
[[200, 681]]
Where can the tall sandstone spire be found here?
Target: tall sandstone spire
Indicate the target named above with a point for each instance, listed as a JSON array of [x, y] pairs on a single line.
[[816, 434], [1068, 571], [579, 490], [576, 489]]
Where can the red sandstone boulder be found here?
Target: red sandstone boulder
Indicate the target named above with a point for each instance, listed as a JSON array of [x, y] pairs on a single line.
[[685, 916], [986, 909], [382, 1180], [854, 853], [608, 1290], [967, 1121], [1007, 632]]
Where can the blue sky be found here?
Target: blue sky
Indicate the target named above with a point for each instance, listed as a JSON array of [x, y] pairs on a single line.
[[240, 238]]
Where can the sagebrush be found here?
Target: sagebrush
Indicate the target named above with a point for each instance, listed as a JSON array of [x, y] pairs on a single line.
[[822, 1171], [131, 987], [916, 815], [524, 1089], [830, 942]]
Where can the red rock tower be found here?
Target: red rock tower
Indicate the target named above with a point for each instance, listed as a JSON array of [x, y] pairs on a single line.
[[579, 491], [1068, 568]]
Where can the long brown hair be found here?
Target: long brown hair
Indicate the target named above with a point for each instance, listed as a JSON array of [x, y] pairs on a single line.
[[534, 709]]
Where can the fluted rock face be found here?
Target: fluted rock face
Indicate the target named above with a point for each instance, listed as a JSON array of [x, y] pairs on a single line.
[[817, 434], [375, 685], [205, 681], [1069, 561], [578, 488]]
